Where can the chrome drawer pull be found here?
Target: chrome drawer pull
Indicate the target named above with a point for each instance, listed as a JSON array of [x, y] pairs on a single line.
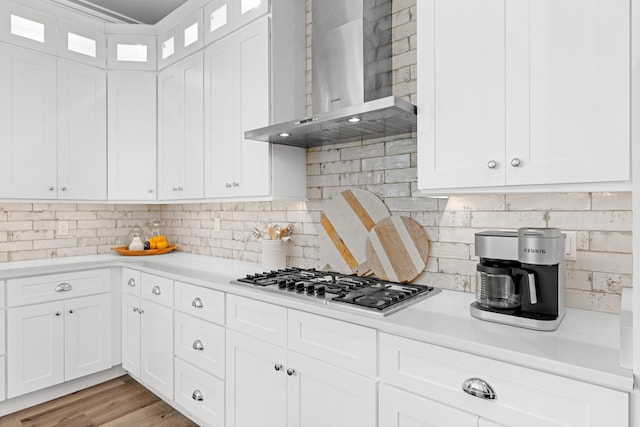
[[63, 287], [278, 367], [291, 372], [197, 345], [197, 396], [156, 290], [131, 282], [478, 388], [197, 303]]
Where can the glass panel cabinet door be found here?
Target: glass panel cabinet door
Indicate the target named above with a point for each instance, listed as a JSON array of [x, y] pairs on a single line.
[[27, 28]]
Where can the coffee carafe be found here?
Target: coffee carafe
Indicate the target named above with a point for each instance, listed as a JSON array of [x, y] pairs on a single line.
[[520, 279]]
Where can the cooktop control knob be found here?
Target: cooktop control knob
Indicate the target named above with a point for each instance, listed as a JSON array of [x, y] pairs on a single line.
[[291, 284], [282, 283], [321, 290], [310, 288], [300, 286]]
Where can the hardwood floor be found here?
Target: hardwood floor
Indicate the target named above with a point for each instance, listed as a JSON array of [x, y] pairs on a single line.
[[121, 402]]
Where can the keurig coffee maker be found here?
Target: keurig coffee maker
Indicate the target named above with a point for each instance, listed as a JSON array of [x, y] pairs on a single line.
[[521, 278]]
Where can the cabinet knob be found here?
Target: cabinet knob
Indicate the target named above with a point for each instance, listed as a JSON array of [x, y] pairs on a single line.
[[71, 311], [197, 396], [131, 282], [136, 309], [197, 303], [58, 313], [180, 188], [291, 372], [156, 290], [235, 184], [175, 188], [141, 311], [479, 388], [278, 367], [515, 162], [492, 164], [63, 188], [63, 287], [150, 190], [228, 185], [52, 188], [197, 345]]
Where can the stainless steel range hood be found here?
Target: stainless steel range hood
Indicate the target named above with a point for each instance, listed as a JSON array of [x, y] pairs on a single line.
[[351, 79]]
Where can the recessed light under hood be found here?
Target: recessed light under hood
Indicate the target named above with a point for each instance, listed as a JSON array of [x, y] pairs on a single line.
[[351, 79]]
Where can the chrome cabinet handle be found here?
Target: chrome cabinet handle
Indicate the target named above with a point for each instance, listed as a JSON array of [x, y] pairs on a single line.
[[180, 188], [197, 345], [63, 287], [197, 303], [291, 372], [64, 188], [141, 311], [156, 290], [515, 162], [492, 164], [175, 188], [131, 282], [136, 309], [235, 184], [197, 396], [150, 190], [228, 185], [58, 313], [71, 311], [479, 388], [51, 188], [278, 367]]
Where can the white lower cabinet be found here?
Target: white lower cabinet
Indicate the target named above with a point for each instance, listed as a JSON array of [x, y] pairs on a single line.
[[523, 397], [147, 343], [200, 393], [273, 385], [57, 341]]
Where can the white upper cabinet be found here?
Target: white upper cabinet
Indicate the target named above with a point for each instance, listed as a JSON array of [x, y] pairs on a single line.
[[181, 40], [82, 44], [82, 132], [27, 124], [180, 134], [132, 135], [523, 94], [237, 100], [223, 16], [27, 28], [131, 52]]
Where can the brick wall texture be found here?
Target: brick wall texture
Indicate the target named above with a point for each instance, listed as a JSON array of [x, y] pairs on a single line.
[[385, 167]]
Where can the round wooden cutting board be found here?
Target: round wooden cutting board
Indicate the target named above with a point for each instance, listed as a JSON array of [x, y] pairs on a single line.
[[397, 249], [345, 223]]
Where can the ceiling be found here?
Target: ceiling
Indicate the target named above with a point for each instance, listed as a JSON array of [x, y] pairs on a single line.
[[132, 11]]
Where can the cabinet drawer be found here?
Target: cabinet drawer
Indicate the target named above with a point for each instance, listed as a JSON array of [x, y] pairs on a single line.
[[157, 289], [200, 393], [53, 287], [131, 282], [204, 303], [524, 397], [343, 344], [200, 343], [261, 320]]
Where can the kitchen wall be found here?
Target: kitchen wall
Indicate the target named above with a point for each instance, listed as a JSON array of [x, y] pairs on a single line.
[[386, 167]]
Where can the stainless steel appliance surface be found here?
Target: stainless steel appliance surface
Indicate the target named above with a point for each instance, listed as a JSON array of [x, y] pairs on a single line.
[[365, 294], [521, 278]]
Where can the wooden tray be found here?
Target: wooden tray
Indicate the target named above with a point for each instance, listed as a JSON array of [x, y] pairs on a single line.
[[124, 250]]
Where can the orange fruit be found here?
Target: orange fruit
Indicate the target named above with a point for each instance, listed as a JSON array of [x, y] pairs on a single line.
[[162, 244]]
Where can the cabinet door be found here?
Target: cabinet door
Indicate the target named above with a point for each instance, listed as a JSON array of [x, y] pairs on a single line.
[[180, 130], [568, 80], [87, 335], [461, 118], [132, 135], [219, 112], [321, 395], [131, 334], [35, 357], [256, 383], [402, 409], [200, 343], [82, 131], [27, 124], [252, 164], [157, 347]]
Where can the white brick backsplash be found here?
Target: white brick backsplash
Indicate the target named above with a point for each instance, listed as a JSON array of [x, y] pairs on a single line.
[[401, 175], [340, 167], [457, 234], [600, 301], [449, 250], [16, 225], [603, 262], [613, 241], [551, 201], [445, 281], [483, 202], [611, 201], [398, 161], [402, 146], [390, 190], [457, 266], [373, 150], [14, 236], [318, 156], [611, 282], [29, 216], [502, 220], [591, 220], [411, 204]]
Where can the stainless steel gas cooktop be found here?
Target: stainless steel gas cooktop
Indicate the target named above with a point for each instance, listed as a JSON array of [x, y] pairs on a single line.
[[358, 293]]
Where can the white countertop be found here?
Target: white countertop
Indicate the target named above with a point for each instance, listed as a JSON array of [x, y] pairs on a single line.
[[584, 347]]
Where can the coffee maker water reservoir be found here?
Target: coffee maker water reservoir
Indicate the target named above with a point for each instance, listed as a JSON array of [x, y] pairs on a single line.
[[521, 278]]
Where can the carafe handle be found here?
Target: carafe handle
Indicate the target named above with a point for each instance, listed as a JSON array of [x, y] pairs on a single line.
[[530, 278]]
